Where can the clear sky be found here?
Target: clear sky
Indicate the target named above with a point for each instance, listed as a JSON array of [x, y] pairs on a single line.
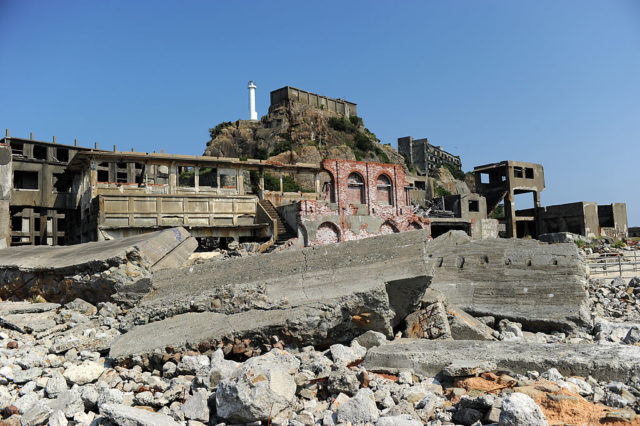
[[552, 82]]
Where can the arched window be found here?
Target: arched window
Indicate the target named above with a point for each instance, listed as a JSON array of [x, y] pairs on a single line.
[[384, 191], [355, 189]]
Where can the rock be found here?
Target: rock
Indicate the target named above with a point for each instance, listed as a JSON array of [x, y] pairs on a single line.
[[465, 327], [55, 385], [429, 322], [343, 380], [519, 409], [57, 418], [109, 396], [38, 414], [196, 407], [371, 338], [359, 409], [84, 337], [553, 375], [193, 364], [124, 415], [169, 369], [24, 376], [25, 402], [79, 305], [221, 368], [399, 420], [343, 355], [262, 387], [633, 336], [467, 416], [70, 402], [87, 372]]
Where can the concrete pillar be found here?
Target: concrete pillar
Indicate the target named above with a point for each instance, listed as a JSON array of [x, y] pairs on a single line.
[[281, 184], [6, 183], [316, 180], [261, 185], [510, 215], [173, 178], [536, 213], [240, 181], [93, 179], [196, 179]]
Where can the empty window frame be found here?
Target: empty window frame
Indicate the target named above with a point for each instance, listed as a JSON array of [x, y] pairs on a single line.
[[518, 172], [228, 178], [528, 173], [384, 190], [39, 152], [187, 176], [208, 177], [484, 177], [25, 180], [59, 184], [355, 189], [17, 148], [62, 155], [474, 206]]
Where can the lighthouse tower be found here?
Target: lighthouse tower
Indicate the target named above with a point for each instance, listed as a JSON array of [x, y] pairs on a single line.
[[253, 115]]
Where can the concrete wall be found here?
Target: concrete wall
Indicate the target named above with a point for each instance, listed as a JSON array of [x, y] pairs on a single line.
[[424, 156]]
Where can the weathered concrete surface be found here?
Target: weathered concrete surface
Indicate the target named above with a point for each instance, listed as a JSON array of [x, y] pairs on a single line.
[[294, 278], [336, 292], [110, 270], [539, 285], [320, 322], [430, 357]]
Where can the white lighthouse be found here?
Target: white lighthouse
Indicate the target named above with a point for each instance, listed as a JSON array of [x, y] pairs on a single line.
[[253, 115]]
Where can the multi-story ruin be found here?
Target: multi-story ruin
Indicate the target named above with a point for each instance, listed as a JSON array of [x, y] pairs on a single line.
[[424, 156], [286, 94], [502, 182], [37, 205]]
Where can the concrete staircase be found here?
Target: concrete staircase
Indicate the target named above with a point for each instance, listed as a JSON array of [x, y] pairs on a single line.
[[285, 232]]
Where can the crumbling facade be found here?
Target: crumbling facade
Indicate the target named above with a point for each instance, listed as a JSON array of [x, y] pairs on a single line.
[[424, 156], [287, 94], [464, 212], [361, 200], [37, 204]]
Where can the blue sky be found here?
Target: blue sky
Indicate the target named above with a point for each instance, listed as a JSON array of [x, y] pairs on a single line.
[[554, 82]]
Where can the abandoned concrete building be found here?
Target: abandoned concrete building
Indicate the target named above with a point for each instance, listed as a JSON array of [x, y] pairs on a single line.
[[286, 94], [127, 193], [36, 207], [464, 212], [424, 156], [361, 199], [502, 182]]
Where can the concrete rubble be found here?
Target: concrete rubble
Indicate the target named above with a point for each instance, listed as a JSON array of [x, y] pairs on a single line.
[[116, 270], [319, 336]]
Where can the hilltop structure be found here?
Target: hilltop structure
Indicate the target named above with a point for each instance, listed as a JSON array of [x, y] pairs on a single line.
[[426, 158]]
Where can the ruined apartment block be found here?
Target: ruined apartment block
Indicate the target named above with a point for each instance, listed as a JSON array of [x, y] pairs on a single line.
[[37, 204], [361, 200], [424, 156]]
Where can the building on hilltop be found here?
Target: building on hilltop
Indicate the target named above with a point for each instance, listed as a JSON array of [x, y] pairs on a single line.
[[282, 96], [424, 156]]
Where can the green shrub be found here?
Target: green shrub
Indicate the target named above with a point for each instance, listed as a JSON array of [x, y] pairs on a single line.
[[455, 171], [218, 129], [356, 121], [618, 244], [261, 154], [498, 213], [282, 146], [440, 191], [272, 183]]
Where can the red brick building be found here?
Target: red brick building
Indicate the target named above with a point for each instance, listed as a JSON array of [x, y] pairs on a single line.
[[362, 200]]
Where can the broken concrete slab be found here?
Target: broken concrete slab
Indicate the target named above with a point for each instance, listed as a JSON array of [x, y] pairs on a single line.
[[320, 323], [541, 286], [294, 278], [430, 357], [117, 270], [29, 323]]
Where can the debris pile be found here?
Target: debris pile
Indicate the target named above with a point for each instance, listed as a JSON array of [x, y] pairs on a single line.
[[389, 330]]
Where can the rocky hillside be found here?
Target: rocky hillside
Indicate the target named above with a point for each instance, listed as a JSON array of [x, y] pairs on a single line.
[[299, 133]]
